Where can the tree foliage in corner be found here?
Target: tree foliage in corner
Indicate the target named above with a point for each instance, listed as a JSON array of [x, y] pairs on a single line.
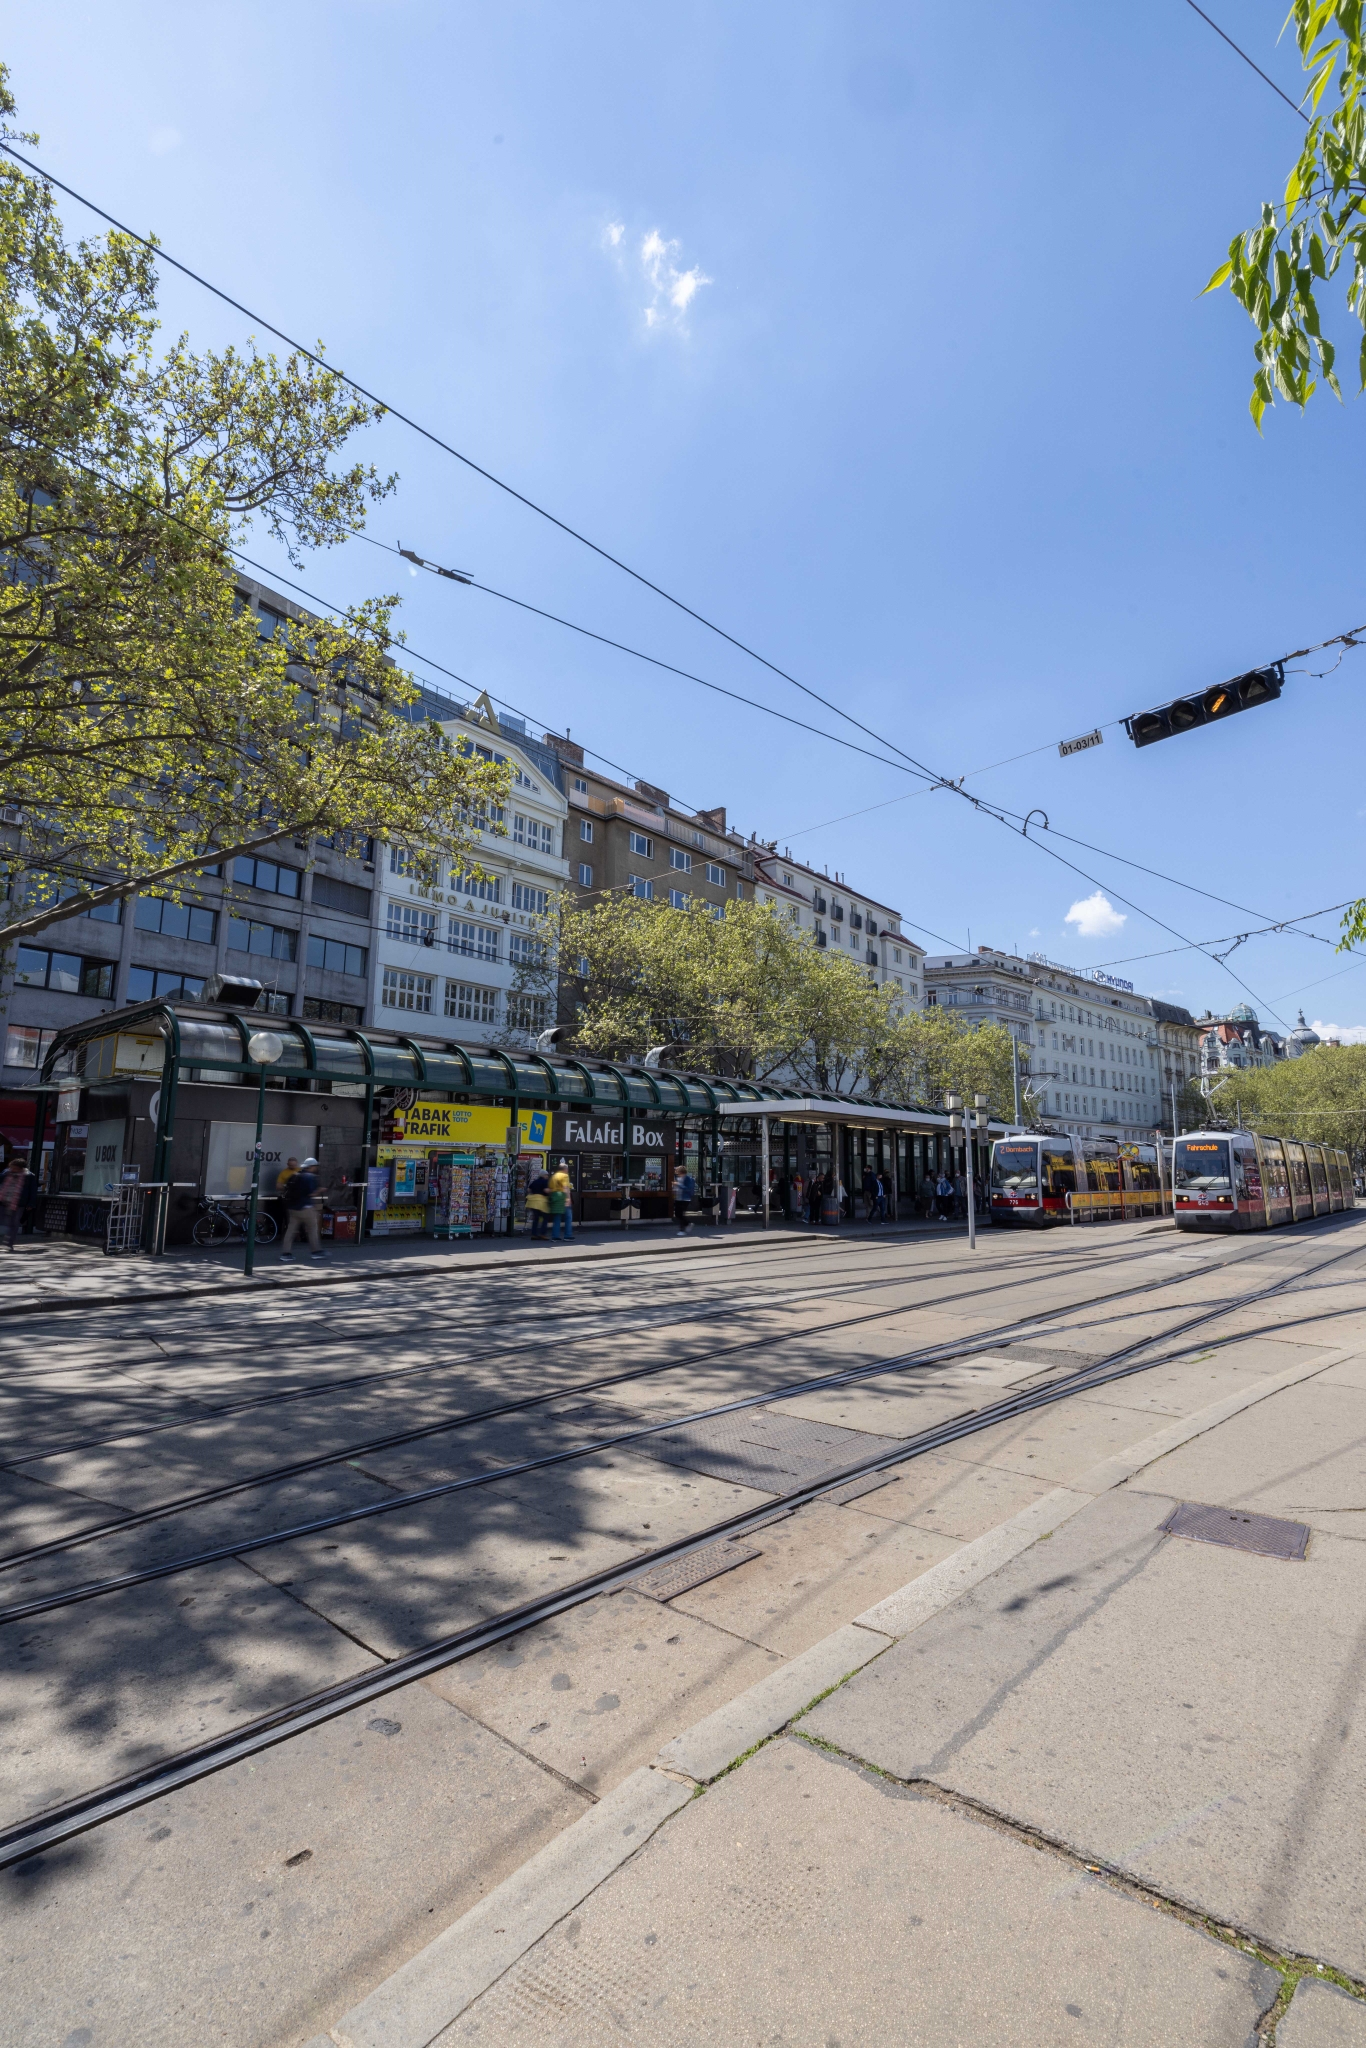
[[1275, 269], [149, 722], [1321, 1096]]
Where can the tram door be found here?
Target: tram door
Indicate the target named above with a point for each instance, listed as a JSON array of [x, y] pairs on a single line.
[[1318, 1179], [1301, 1195], [1275, 1180], [1249, 1202]]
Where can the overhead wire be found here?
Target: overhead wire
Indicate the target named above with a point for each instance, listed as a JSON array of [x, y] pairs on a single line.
[[1294, 108], [372, 398]]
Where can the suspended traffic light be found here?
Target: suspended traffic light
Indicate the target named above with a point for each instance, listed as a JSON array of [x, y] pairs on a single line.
[[1183, 714]]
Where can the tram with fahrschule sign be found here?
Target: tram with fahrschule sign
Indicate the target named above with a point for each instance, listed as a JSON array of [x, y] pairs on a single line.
[[1238, 1180], [1057, 1177]]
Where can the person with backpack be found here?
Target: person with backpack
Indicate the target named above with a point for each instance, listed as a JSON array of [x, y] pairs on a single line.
[[561, 1198], [300, 1210], [538, 1202], [944, 1196], [12, 1187], [685, 1194]]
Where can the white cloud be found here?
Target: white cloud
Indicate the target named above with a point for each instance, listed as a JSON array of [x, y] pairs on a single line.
[[613, 233], [1034, 932], [1095, 917], [672, 290], [1350, 1034], [162, 141]]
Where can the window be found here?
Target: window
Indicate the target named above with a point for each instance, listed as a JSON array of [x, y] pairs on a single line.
[[535, 833], [716, 874], [528, 1013], [324, 1012], [585, 875], [145, 983], [42, 889], [479, 941], [266, 874], [787, 880], [26, 1045], [525, 898], [641, 844], [471, 1004], [586, 830], [35, 967], [678, 898], [330, 894], [642, 888], [335, 956], [175, 920], [403, 991], [794, 912], [407, 922], [488, 888], [270, 941], [896, 955], [581, 787], [680, 860], [717, 909], [401, 860], [524, 951], [267, 622], [524, 781]]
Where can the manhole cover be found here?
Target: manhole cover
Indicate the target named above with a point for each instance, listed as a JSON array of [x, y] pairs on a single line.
[[1237, 1531], [667, 1581]]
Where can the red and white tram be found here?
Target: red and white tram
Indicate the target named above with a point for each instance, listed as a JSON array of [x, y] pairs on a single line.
[[1056, 1177], [1236, 1180]]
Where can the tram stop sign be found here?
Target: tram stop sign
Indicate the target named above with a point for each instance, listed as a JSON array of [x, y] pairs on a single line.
[[1221, 700]]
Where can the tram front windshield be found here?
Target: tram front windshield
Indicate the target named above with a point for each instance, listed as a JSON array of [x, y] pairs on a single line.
[[1202, 1165], [1015, 1169]]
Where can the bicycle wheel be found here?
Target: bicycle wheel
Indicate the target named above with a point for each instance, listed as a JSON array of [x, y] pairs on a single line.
[[212, 1228], [267, 1229]]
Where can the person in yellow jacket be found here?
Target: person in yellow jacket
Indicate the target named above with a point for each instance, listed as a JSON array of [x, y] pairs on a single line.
[[561, 1196]]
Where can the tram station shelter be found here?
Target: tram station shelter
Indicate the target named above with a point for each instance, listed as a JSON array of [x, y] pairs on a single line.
[[164, 1096]]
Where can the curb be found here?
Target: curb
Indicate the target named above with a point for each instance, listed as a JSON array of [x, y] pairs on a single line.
[[422, 1998], [399, 1269]]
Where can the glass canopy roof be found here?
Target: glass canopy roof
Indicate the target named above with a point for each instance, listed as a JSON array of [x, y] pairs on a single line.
[[214, 1039]]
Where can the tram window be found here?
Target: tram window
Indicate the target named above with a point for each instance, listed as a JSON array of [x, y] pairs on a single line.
[[1015, 1168], [1201, 1164], [1059, 1174]]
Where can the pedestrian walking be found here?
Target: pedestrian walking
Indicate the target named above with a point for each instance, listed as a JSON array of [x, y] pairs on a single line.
[[561, 1196], [869, 1194], [815, 1195], [685, 1194], [929, 1195], [880, 1198], [12, 1197], [538, 1202], [943, 1195], [301, 1210]]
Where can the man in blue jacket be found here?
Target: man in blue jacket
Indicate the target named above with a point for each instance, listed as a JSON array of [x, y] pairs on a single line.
[[300, 1209]]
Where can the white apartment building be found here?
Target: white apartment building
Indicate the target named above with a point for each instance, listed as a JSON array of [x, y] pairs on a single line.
[[447, 951], [868, 930], [1093, 1063]]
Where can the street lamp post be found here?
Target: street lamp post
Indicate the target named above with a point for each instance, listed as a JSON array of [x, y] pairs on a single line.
[[982, 1109], [954, 1106], [264, 1048]]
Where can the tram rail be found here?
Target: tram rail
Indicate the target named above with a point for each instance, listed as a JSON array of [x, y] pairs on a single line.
[[875, 1368], [63, 1822], [643, 1319]]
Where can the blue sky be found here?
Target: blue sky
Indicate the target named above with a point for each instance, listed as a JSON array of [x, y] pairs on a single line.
[[872, 333]]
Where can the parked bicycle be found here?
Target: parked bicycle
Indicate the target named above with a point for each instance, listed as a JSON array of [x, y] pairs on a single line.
[[219, 1225]]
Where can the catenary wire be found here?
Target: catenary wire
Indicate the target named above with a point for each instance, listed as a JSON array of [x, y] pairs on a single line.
[[1237, 47]]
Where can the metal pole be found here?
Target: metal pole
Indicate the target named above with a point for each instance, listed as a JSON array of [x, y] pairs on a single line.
[[249, 1261], [968, 1177], [763, 1129], [626, 1168], [1015, 1072]]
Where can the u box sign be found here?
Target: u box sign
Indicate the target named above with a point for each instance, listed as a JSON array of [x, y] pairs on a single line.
[[610, 1134]]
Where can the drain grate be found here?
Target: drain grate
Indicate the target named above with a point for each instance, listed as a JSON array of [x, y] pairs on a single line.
[[1263, 1534], [772, 1453], [667, 1581]]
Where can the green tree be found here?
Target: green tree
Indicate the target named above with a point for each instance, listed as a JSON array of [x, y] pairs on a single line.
[[1321, 1096], [933, 1052], [150, 725], [748, 994], [1318, 233]]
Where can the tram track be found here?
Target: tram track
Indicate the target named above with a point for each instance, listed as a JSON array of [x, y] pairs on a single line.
[[64, 1822], [592, 1333], [925, 1356]]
